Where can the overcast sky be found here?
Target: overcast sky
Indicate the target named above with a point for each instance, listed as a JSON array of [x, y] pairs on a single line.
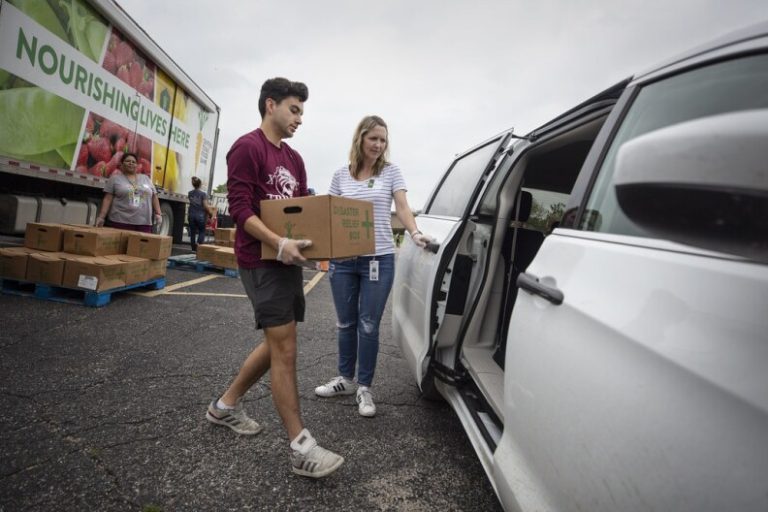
[[444, 74]]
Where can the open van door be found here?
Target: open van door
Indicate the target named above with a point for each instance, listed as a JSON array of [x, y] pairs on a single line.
[[426, 309]]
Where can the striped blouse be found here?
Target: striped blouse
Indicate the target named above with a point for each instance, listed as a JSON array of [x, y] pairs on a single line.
[[380, 191]]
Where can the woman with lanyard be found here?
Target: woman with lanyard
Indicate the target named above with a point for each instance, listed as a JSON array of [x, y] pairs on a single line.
[[361, 285], [129, 199]]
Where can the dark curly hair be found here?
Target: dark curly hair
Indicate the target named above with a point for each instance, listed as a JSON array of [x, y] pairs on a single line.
[[196, 182], [278, 89], [127, 154]]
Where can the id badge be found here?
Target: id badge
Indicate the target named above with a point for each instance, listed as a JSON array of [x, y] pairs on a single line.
[[373, 270], [136, 201]]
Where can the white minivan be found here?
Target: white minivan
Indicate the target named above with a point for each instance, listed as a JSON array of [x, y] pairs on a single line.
[[595, 304]]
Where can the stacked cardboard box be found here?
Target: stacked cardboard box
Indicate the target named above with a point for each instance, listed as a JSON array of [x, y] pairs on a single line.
[[221, 253], [135, 269], [92, 242], [13, 262], [205, 252], [224, 257], [224, 237], [94, 273], [44, 236], [85, 257], [46, 267], [153, 247]]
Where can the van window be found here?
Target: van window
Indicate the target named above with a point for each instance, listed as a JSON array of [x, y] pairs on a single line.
[[458, 186], [735, 85], [547, 209]]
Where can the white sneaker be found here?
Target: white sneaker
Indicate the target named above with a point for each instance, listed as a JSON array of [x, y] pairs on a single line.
[[316, 462], [236, 419], [365, 405], [335, 387]]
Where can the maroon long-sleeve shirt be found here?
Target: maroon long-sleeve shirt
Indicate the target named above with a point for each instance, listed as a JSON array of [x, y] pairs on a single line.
[[256, 170]]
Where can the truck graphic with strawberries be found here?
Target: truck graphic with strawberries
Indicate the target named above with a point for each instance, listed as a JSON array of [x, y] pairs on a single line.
[[80, 84]]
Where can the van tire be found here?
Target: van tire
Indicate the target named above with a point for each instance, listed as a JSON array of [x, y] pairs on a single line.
[[429, 391]]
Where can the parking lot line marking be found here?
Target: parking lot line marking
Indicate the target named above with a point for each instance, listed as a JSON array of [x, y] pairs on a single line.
[[313, 282], [209, 294], [171, 290], [176, 286]]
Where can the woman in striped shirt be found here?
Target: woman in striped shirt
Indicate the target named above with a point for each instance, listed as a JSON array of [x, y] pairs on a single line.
[[361, 285]]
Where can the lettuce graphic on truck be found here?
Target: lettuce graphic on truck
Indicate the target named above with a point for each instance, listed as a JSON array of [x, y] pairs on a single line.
[[36, 124], [75, 93], [80, 84]]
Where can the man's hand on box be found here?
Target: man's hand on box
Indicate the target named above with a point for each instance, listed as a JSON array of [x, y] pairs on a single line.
[[289, 251]]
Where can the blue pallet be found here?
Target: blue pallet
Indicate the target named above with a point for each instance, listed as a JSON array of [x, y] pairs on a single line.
[[191, 261], [71, 295]]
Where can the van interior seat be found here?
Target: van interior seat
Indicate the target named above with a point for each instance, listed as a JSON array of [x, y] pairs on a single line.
[[516, 261]]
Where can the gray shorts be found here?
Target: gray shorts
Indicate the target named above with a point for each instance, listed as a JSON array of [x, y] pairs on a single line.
[[277, 294]]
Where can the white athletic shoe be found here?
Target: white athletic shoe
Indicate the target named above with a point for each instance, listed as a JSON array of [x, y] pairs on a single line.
[[236, 419], [316, 462], [365, 405], [337, 386]]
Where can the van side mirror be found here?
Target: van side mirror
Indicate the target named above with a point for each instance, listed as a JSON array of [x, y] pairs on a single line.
[[703, 183]]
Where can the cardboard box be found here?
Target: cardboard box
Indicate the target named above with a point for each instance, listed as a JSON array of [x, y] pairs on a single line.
[[93, 273], [145, 245], [13, 262], [92, 241], [339, 227], [124, 234], [46, 267], [225, 243], [135, 269], [156, 269], [224, 235], [44, 236], [224, 257], [205, 252]]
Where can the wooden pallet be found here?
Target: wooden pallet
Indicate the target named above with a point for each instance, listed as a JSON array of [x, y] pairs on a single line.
[[71, 295], [191, 261]]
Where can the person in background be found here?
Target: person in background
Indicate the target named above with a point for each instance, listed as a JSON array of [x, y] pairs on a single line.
[[129, 199], [199, 209], [261, 166], [361, 285]]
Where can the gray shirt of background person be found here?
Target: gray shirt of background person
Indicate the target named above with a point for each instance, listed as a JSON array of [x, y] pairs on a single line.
[[125, 208]]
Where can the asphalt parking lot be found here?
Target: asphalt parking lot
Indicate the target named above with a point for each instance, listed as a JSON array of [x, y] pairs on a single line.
[[104, 410]]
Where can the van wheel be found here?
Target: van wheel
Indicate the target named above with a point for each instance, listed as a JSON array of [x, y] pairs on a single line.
[[166, 226], [429, 391]]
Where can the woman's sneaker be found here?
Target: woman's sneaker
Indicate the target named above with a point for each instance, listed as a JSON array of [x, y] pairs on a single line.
[[309, 459], [236, 419], [365, 405], [335, 387]]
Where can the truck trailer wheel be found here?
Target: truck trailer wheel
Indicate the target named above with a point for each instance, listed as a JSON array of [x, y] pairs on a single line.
[[166, 227]]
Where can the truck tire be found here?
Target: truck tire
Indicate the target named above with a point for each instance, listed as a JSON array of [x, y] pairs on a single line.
[[166, 227]]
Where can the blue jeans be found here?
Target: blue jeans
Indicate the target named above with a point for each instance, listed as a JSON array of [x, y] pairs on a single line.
[[360, 304], [196, 231]]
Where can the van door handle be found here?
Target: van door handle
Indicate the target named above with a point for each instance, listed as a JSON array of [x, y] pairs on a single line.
[[530, 283], [432, 247]]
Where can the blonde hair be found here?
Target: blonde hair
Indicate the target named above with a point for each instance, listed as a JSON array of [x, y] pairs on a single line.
[[356, 153]]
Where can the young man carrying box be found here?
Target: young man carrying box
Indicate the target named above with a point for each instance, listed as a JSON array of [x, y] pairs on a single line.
[[261, 166]]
